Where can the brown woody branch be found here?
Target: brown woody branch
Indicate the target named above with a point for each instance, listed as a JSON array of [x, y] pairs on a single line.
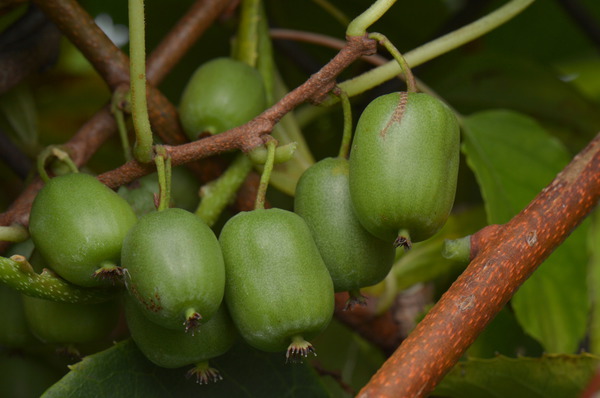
[[243, 137], [249, 135], [505, 256], [102, 125]]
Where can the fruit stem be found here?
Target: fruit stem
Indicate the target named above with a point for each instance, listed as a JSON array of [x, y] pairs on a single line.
[[204, 373], [283, 153], [457, 249], [13, 233], [434, 48], [347, 135], [163, 170], [408, 75], [265, 62], [266, 174], [247, 35], [359, 25], [219, 193], [192, 320], [54, 151], [297, 349], [356, 298], [142, 150], [332, 10], [403, 240], [15, 272], [119, 97]]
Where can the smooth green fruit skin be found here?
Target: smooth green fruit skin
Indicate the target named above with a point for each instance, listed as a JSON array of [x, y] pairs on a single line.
[[353, 256], [77, 223], [403, 172], [173, 262], [221, 94], [170, 348], [65, 323], [277, 284]]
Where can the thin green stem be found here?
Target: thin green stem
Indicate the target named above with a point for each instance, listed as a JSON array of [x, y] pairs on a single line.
[[347, 136], [142, 150], [56, 152], [119, 96], [335, 12], [434, 48], [163, 169], [360, 24], [283, 153], [408, 75], [265, 62], [266, 175], [64, 157], [457, 249], [17, 273], [13, 233], [219, 193], [246, 49]]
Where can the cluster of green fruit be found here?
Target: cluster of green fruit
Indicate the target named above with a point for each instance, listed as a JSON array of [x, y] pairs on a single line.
[[174, 270], [271, 275]]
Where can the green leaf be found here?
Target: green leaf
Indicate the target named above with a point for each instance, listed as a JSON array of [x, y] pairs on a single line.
[[123, 371], [594, 281], [504, 336], [513, 158], [493, 80], [555, 376], [583, 74], [345, 354]]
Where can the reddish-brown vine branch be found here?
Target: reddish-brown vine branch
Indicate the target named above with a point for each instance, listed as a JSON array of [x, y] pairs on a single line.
[[506, 256], [102, 125], [248, 136], [321, 40]]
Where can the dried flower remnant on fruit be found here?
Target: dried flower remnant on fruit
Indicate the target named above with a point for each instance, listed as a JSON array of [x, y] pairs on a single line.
[[204, 374], [356, 298], [192, 321], [299, 349]]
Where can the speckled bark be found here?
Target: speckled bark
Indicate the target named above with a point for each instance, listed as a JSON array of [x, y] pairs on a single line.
[[506, 256]]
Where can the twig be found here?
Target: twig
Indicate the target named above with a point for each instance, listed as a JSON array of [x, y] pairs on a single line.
[[180, 39], [321, 40], [102, 125], [248, 136], [506, 257]]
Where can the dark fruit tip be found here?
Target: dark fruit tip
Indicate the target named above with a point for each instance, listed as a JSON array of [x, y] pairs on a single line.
[[403, 240], [192, 321], [299, 349], [204, 374], [356, 298], [110, 272]]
